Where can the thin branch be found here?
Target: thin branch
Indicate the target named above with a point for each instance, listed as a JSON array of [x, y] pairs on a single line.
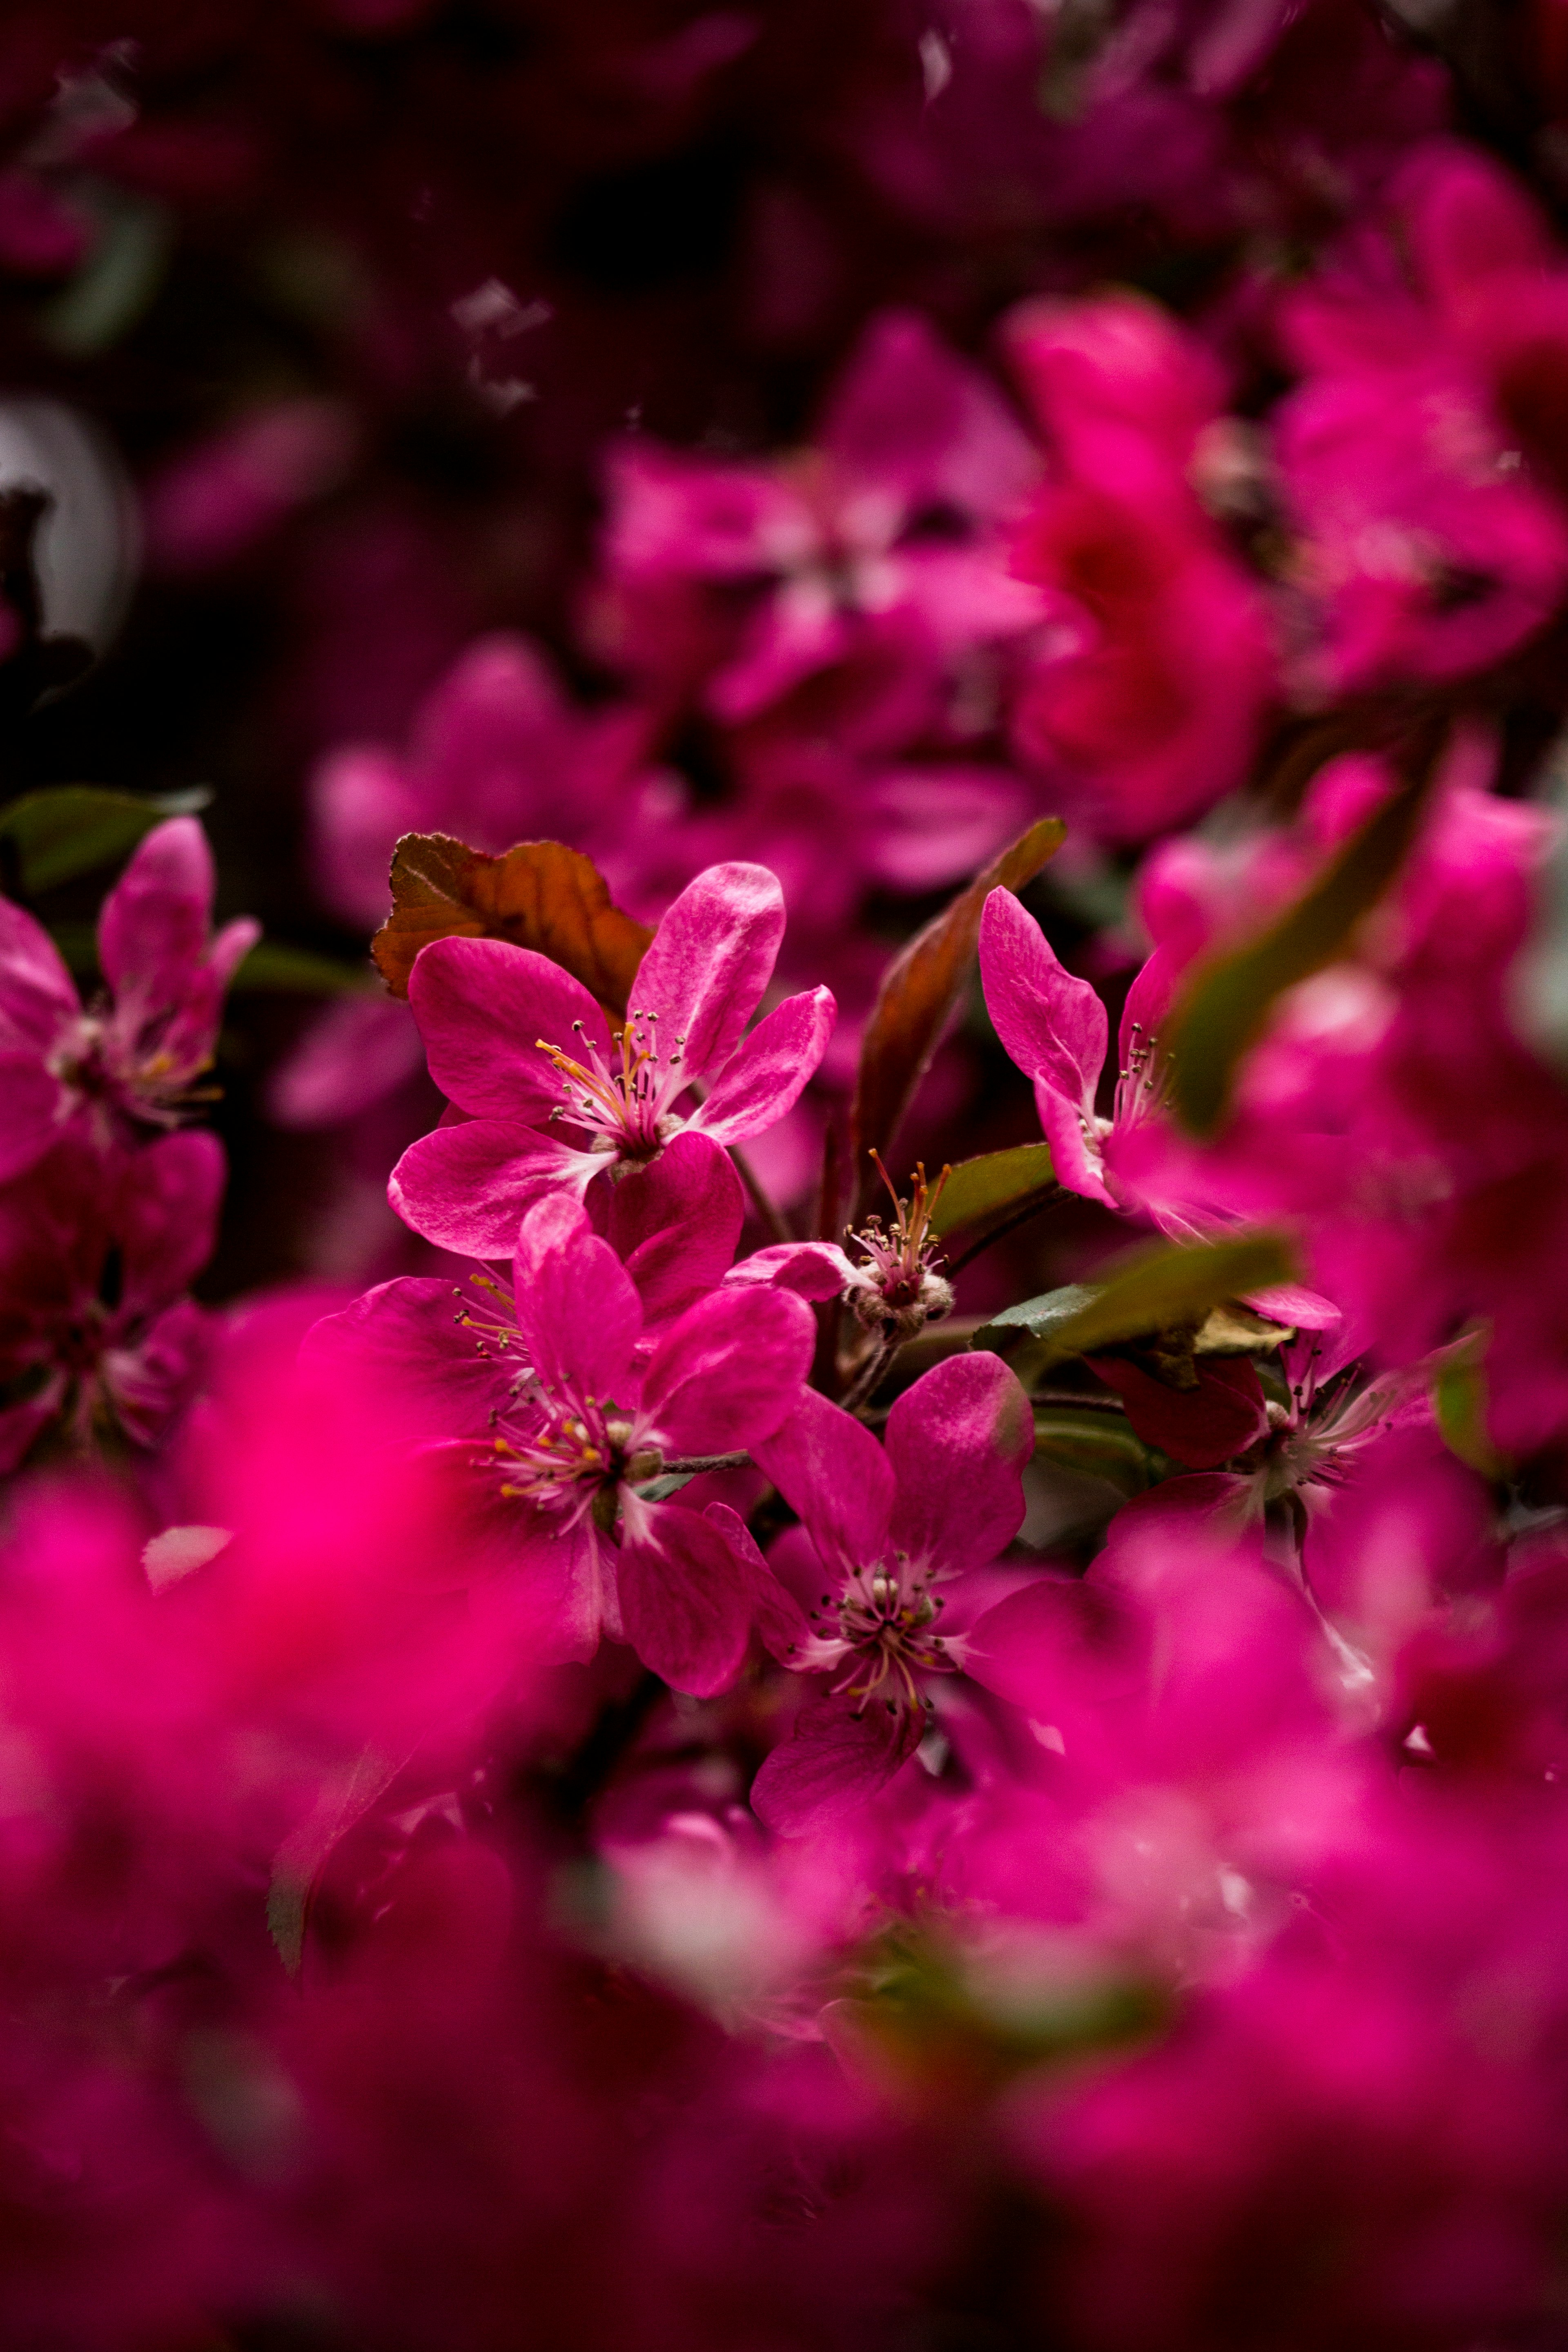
[[868, 1379], [689, 1464], [760, 1200], [998, 1232]]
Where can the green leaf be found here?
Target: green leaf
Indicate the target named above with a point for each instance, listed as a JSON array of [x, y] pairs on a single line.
[[1225, 1002], [117, 280], [1095, 1445], [288, 970], [304, 1853], [979, 1190], [1459, 1403], [946, 2024], [77, 945], [68, 829], [1166, 1286], [920, 992]]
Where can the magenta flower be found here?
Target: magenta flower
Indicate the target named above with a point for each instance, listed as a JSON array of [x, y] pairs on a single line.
[[129, 1059], [496, 754], [1159, 662], [882, 541], [580, 1417], [1056, 1029], [96, 1251], [888, 1528], [1420, 454], [554, 1100]]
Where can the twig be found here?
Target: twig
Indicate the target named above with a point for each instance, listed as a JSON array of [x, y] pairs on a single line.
[[1008, 1225], [868, 1379], [689, 1464], [760, 1200]]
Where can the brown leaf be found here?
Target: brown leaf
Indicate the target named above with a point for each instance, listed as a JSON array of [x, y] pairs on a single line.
[[920, 990], [540, 895]]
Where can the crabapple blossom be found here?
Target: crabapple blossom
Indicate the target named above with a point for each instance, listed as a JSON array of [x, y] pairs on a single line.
[[554, 1099]]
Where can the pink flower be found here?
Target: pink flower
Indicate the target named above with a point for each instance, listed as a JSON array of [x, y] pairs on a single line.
[[1056, 1029], [496, 755], [580, 1418], [516, 1042], [1153, 685], [96, 1251], [880, 542], [128, 1060], [1421, 454], [887, 1528]]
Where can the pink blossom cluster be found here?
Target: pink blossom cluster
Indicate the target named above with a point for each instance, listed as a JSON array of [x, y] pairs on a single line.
[[871, 1654], [611, 1791]]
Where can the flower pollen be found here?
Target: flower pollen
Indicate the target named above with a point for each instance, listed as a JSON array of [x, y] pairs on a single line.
[[884, 1618], [627, 1108], [897, 1291]]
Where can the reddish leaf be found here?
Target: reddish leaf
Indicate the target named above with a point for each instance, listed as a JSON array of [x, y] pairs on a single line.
[[1202, 1426], [540, 895], [920, 990]]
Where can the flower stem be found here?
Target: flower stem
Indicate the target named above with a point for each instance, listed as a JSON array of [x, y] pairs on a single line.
[[868, 1379], [760, 1200]]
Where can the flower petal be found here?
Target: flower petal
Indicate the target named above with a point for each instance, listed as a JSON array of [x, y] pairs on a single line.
[[775, 1611], [730, 1370], [832, 1474], [832, 1762], [686, 1603], [354, 1051], [1148, 1002], [957, 1443], [675, 1224], [811, 1269], [166, 1216], [577, 1308], [153, 931], [30, 1103], [766, 1073], [466, 1186], [1054, 1026], [709, 961], [410, 1343], [1075, 1154], [481, 1006], [38, 994]]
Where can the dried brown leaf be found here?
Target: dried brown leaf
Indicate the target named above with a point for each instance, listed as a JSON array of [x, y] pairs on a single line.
[[540, 895]]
